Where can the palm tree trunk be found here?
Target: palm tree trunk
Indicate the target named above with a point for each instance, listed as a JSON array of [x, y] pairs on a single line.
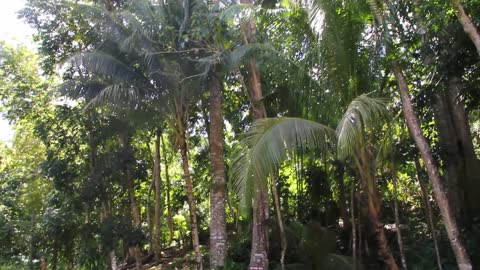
[[167, 179], [191, 200], [382, 244], [467, 24], [258, 256], [218, 228], [157, 247], [366, 168], [463, 260], [428, 211]]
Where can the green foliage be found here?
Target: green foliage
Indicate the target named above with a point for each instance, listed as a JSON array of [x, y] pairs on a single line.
[[266, 145], [128, 67]]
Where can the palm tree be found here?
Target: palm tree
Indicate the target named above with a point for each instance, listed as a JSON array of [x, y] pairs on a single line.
[[259, 252], [144, 68], [218, 228], [268, 141]]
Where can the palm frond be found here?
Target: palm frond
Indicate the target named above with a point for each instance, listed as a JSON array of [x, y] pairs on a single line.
[[363, 112], [106, 23], [235, 57], [265, 147], [103, 64], [86, 89], [235, 13], [117, 96], [144, 10]]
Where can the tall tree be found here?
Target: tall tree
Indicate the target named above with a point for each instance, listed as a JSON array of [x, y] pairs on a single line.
[[463, 260], [218, 229], [259, 251]]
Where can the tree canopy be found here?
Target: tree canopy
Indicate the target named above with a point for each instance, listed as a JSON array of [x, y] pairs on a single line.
[[323, 134]]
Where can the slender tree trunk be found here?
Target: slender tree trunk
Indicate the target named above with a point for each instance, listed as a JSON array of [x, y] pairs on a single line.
[[218, 228], [133, 200], [70, 261], [397, 218], [167, 180], [428, 211], [43, 264], [367, 171], [148, 213], [467, 24], [258, 256], [342, 199], [463, 260], [354, 234], [281, 226], [395, 203], [125, 141], [382, 244], [157, 247], [191, 200], [55, 255], [32, 244]]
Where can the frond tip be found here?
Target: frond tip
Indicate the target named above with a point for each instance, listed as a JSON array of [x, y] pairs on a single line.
[[266, 146], [363, 113]]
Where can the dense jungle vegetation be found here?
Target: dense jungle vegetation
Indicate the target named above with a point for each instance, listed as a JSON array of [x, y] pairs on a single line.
[[191, 134]]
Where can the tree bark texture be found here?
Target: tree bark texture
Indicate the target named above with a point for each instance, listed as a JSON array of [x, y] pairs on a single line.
[[191, 200], [218, 228], [157, 245], [167, 180]]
